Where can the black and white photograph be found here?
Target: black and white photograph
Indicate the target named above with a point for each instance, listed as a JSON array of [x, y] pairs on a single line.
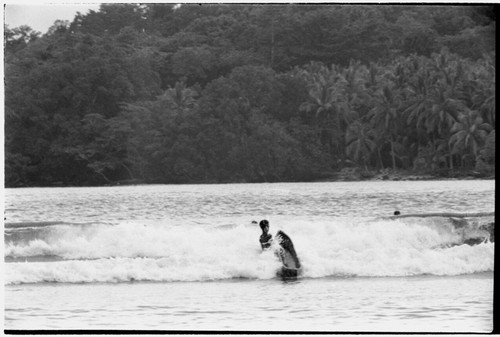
[[248, 167]]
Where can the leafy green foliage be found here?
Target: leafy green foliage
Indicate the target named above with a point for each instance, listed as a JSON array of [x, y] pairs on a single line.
[[159, 93]]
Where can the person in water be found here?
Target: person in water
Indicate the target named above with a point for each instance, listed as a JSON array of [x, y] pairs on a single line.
[[286, 253], [265, 239]]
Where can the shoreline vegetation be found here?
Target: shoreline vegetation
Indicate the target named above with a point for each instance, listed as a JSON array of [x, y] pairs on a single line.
[[345, 175], [220, 93], [355, 174]]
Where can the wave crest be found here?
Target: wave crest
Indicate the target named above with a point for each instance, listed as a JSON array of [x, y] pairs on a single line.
[[169, 252]]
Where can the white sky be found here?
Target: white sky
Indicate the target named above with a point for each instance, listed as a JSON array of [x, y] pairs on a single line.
[[42, 16]]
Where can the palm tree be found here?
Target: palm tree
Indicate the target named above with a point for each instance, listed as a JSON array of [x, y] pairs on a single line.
[[322, 97], [355, 99], [178, 99], [469, 134], [385, 116], [480, 88], [418, 102], [355, 78], [434, 154], [436, 99], [486, 102], [326, 100], [417, 107], [360, 142]]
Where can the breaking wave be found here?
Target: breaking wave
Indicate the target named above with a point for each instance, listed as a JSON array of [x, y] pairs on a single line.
[[166, 252]]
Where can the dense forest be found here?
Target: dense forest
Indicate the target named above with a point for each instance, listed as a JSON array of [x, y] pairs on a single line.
[[162, 93]]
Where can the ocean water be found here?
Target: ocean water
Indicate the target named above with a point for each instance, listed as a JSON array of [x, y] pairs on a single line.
[[187, 257]]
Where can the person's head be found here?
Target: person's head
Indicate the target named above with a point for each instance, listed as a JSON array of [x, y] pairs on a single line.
[[264, 225], [397, 212]]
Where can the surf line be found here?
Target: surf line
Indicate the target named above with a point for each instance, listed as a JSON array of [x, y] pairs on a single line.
[[35, 224], [446, 215]]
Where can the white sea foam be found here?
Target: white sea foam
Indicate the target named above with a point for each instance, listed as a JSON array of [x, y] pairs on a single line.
[[161, 251]]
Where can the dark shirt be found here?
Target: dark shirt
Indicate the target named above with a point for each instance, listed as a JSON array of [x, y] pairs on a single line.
[[266, 240]]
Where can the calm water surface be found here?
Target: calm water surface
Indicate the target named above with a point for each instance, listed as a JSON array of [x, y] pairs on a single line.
[[428, 303], [155, 202]]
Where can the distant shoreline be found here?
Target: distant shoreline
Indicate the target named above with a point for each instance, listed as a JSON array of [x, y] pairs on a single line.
[[345, 175], [355, 174]]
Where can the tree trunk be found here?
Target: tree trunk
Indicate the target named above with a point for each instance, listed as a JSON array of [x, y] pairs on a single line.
[[104, 176], [272, 42], [417, 156], [451, 158], [381, 164], [393, 155], [128, 171], [340, 143]]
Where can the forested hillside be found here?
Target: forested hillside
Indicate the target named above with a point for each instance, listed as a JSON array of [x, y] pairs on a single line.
[[159, 93]]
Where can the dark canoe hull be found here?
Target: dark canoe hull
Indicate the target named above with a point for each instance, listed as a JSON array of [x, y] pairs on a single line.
[[288, 273], [291, 263]]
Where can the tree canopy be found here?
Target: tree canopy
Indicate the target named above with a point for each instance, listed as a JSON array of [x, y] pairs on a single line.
[[159, 93]]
